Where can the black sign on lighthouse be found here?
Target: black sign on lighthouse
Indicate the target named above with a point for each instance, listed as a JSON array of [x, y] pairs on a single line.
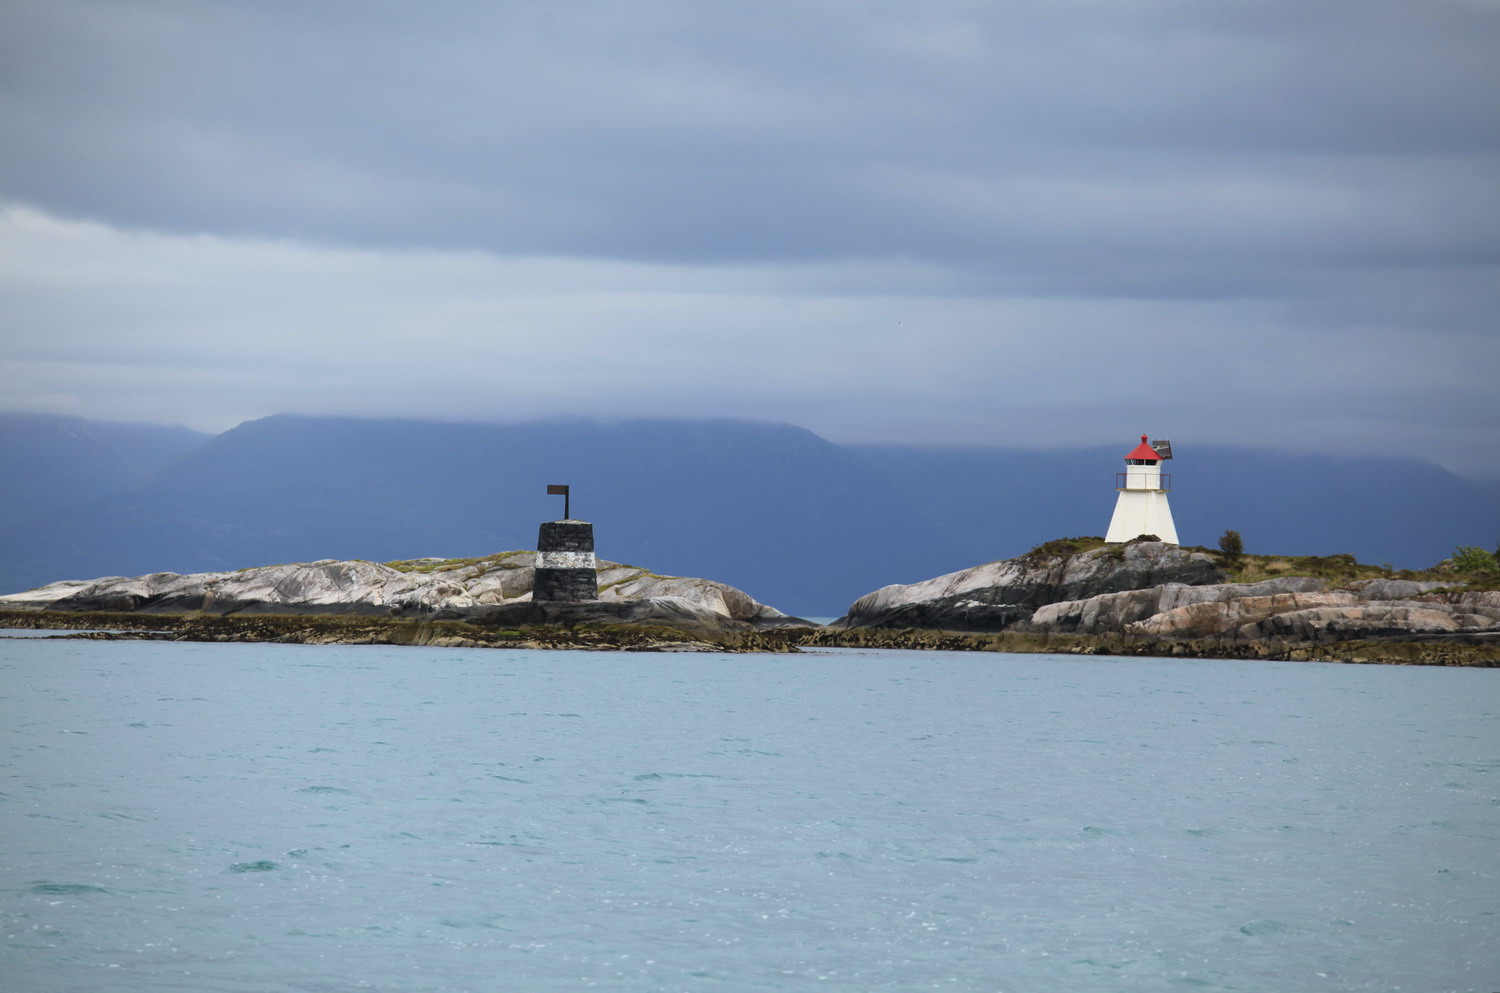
[[565, 565]]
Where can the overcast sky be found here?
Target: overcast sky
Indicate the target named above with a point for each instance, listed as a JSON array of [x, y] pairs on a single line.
[[1048, 223]]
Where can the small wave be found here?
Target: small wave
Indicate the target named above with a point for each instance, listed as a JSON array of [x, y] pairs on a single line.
[[1259, 928], [519, 847], [454, 922], [261, 865], [325, 791], [1105, 965], [65, 889]]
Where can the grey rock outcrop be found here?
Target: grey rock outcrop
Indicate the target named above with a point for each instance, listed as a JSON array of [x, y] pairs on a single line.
[[1111, 612], [998, 595], [495, 589], [1287, 611], [1162, 594], [1328, 616]]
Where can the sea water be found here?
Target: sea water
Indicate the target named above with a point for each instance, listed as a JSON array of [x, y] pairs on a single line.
[[263, 818]]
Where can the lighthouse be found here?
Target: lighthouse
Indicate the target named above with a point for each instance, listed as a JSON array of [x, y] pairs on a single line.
[[1142, 505]]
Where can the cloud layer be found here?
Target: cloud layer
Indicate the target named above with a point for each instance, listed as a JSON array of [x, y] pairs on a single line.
[[1271, 223]]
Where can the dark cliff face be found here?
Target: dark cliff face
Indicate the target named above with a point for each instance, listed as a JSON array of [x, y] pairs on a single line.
[[993, 597], [1137, 565], [955, 613]]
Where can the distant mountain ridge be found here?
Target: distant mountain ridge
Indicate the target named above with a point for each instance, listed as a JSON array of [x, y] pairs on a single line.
[[794, 520], [51, 459]]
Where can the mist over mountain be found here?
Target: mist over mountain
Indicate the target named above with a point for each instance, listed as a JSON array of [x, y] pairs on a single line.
[[798, 522], [51, 459]]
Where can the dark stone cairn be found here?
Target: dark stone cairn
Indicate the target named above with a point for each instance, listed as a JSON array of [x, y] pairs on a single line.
[[565, 564]]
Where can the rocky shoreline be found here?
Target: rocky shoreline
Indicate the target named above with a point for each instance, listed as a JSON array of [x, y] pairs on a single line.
[[343, 629], [306, 629], [1416, 652]]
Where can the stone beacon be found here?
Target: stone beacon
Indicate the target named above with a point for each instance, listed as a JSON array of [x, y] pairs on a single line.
[[565, 564], [1141, 508]]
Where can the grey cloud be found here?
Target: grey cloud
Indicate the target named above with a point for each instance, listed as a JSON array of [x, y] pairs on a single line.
[[679, 130], [136, 325], [1242, 205]]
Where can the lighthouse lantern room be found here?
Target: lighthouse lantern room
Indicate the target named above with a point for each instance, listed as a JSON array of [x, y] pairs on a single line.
[[1141, 507]]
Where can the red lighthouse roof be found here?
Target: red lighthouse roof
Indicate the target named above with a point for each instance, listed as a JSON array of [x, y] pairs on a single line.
[[1143, 451]]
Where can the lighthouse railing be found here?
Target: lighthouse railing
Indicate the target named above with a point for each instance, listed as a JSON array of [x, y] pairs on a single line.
[[1138, 481]]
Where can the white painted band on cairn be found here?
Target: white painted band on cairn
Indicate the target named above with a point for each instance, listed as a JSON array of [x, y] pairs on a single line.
[[566, 560]]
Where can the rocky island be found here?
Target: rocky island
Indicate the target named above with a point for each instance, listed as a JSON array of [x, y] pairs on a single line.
[[1153, 598], [485, 601]]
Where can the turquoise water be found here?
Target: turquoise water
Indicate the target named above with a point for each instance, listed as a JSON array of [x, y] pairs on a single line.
[[260, 817]]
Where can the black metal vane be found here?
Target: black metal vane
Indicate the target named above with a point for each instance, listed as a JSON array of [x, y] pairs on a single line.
[[554, 489]]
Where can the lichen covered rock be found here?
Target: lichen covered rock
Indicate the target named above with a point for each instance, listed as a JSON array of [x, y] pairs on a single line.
[[1165, 595], [997, 595], [452, 589]]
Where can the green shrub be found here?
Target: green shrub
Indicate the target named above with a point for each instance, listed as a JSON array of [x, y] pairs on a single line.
[[1230, 543], [1231, 548], [1472, 558]]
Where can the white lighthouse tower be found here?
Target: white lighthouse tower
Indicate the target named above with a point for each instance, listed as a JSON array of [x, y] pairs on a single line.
[[1142, 504]]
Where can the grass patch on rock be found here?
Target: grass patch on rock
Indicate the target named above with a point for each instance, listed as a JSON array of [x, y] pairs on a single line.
[[431, 565], [1340, 570], [1063, 547]]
